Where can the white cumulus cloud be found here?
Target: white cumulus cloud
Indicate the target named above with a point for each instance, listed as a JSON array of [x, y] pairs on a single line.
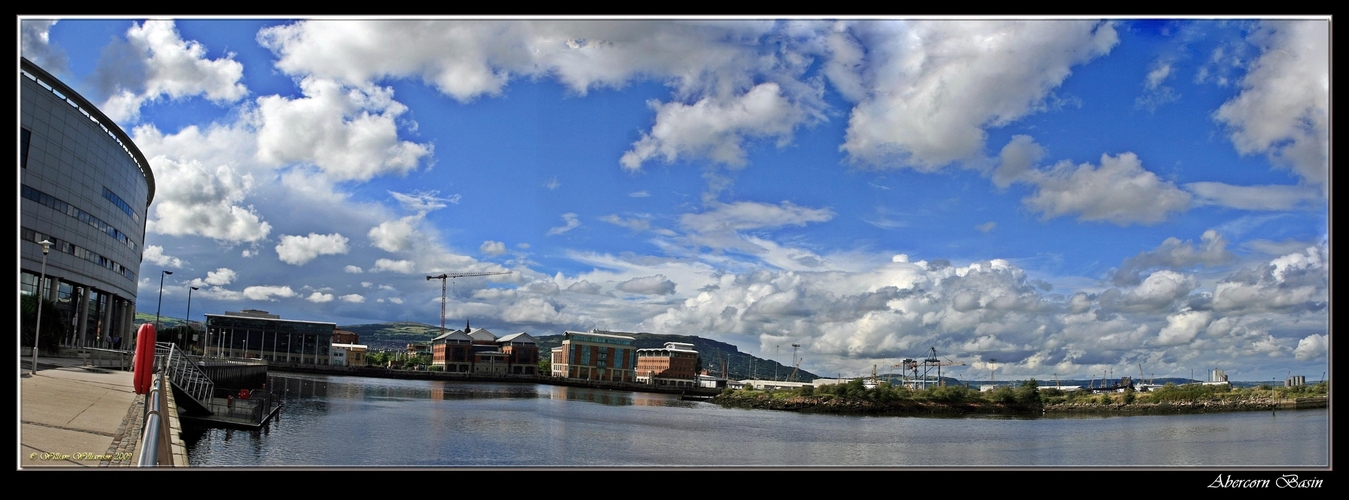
[[1312, 347], [396, 266], [155, 254], [716, 129], [1283, 109], [932, 87], [299, 250], [268, 293], [490, 247], [347, 133], [648, 285], [153, 62], [1120, 191], [192, 198], [395, 235]]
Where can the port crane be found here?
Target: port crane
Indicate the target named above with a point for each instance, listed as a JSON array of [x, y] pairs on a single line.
[[443, 277], [928, 364]]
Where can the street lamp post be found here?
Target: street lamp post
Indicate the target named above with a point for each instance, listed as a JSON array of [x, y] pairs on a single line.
[[162, 274], [37, 333], [189, 311]]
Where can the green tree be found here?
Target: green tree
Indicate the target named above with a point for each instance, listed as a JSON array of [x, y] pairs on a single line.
[[53, 323], [545, 366], [1028, 394], [1003, 395]]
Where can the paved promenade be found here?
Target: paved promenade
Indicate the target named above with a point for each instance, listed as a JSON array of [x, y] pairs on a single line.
[[72, 417]]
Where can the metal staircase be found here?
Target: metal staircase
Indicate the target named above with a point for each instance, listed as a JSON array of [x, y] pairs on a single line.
[[192, 387]]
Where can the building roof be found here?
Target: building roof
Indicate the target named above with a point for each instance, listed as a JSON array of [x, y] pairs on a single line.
[[51, 82], [517, 338], [670, 346], [270, 317], [596, 333], [481, 334], [454, 335]]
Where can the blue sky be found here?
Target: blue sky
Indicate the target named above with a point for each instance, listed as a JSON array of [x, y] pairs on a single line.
[[1070, 197]]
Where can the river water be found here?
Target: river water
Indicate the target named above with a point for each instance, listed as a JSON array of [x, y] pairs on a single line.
[[330, 421]]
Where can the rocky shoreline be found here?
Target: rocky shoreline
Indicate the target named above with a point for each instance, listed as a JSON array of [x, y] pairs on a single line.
[[1183, 407], [817, 404]]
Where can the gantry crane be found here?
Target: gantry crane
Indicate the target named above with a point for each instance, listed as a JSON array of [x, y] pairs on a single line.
[[443, 277], [930, 363]]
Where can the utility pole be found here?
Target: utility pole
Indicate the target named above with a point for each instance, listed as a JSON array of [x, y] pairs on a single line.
[[443, 277]]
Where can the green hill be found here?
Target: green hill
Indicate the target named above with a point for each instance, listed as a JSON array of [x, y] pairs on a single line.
[[394, 336], [165, 322]]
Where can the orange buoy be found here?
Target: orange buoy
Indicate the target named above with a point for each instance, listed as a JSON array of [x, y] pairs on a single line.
[[144, 363]]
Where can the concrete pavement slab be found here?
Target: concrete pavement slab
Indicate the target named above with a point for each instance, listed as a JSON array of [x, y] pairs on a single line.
[[72, 417]]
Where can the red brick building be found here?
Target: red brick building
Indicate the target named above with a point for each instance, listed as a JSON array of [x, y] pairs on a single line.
[[595, 355], [476, 350], [673, 365], [341, 336]]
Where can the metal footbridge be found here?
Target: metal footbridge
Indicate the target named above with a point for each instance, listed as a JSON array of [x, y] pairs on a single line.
[[194, 381], [192, 386]]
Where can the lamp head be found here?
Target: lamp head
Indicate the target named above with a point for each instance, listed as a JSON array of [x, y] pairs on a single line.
[[168, 272], [46, 245]]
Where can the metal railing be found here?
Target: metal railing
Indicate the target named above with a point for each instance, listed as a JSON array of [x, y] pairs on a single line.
[[183, 372], [249, 411], [156, 444], [107, 358]]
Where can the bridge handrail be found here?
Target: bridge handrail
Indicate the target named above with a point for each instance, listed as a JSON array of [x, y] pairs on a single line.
[[156, 444], [184, 372]]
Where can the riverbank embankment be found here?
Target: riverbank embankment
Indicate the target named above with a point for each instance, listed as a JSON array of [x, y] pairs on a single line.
[[1185, 407], [913, 407]]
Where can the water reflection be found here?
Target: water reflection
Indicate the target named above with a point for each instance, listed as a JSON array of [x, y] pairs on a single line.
[[352, 421]]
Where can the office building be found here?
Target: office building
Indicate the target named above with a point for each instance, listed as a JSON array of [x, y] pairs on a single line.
[[260, 335], [86, 188]]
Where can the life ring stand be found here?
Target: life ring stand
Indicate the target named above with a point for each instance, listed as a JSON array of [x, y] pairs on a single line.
[[144, 363]]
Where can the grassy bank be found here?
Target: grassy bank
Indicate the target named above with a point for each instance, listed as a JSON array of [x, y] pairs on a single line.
[[885, 399]]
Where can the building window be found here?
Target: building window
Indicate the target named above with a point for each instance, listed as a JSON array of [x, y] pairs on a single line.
[[121, 204], [25, 136], [61, 206]]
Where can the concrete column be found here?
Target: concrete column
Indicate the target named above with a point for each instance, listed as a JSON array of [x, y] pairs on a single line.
[[80, 301], [107, 318]]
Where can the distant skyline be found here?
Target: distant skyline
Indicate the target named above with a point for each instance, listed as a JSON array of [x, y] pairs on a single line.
[[1071, 197]]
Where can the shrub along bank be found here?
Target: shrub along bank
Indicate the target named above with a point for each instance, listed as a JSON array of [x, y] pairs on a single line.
[[1027, 398]]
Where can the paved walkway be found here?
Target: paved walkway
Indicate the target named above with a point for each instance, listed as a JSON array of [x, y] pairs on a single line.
[[76, 417]]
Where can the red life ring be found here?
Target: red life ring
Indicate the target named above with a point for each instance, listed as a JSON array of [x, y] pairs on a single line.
[[243, 393], [144, 363]]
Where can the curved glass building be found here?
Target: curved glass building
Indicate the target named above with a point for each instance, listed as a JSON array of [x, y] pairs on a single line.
[[85, 187]]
